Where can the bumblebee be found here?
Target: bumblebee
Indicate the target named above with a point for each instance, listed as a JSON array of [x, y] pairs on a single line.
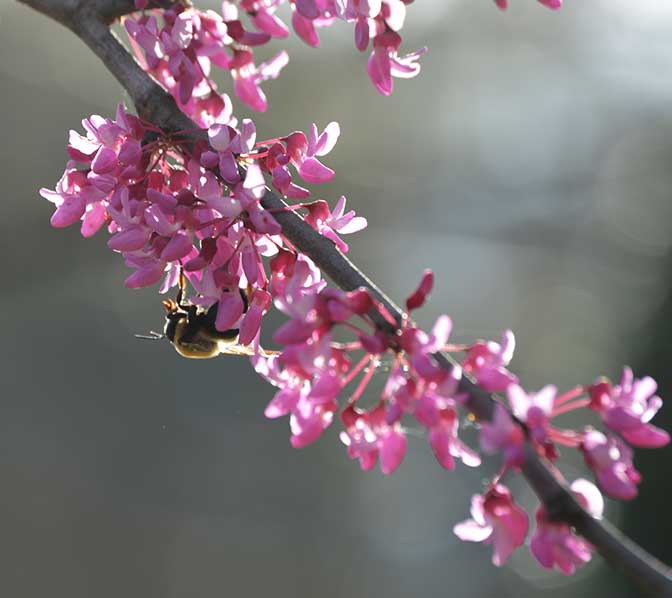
[[192, 331]]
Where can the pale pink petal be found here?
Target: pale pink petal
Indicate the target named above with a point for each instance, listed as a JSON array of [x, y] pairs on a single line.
[[104, 161], [131, 239], [305, 29], [593, 500], [229, 311], [392, 450], [269, 23], [646, 436], [470, 531], [282, 403], [178, 247], [312, 170], [327, 140], [146, 276], [379, 69], [93, 219], [69, 212], [519, 401]]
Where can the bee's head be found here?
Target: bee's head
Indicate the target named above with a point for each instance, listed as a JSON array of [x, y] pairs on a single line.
[[174, 317]]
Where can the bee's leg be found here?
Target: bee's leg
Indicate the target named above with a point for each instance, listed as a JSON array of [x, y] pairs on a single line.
[[181, 286], [244, 294]]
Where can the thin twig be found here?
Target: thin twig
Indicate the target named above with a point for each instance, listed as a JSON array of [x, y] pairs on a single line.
[[90, 19]]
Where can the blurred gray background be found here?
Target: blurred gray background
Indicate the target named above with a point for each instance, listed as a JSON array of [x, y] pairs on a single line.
[[528, 165]]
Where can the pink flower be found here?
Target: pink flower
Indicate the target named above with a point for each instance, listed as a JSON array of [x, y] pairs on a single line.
[[534, 409], [487, 361], [247, 76], [260, 302], [442, 421], [263, 17], [307, 390], [329, 223], [180, 55], [310, 168], [611, 460], [384, 62], [629, 407], [496, 520], [503, 434], [554, 544], [369, 435], [309, 419]]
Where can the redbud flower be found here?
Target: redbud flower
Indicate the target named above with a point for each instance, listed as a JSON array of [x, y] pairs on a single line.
[[629, 407], [611, 460], [487, 361], [554, 544], [441, 419], [503, 434], [534, 409], [384, 62], [310, 168], [112, 158], [329, 223], [369, 435], [497, 520]]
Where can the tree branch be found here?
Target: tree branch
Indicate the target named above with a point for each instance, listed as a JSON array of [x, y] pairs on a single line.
[[90, 19]]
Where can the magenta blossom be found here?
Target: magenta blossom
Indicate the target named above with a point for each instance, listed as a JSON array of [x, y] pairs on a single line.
[[329, 223], [611, 460], [369, 436], [554, 544], [497, 520], [629, 407], [442, 421], [534, 409], [310, 168], [503, 434], [384, 62], [487, 361]]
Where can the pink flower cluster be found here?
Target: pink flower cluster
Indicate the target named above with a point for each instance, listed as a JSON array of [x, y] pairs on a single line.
[[626, 409], [313, 371], [170, 209], [180, 53], [499, 521], [181, 48]]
